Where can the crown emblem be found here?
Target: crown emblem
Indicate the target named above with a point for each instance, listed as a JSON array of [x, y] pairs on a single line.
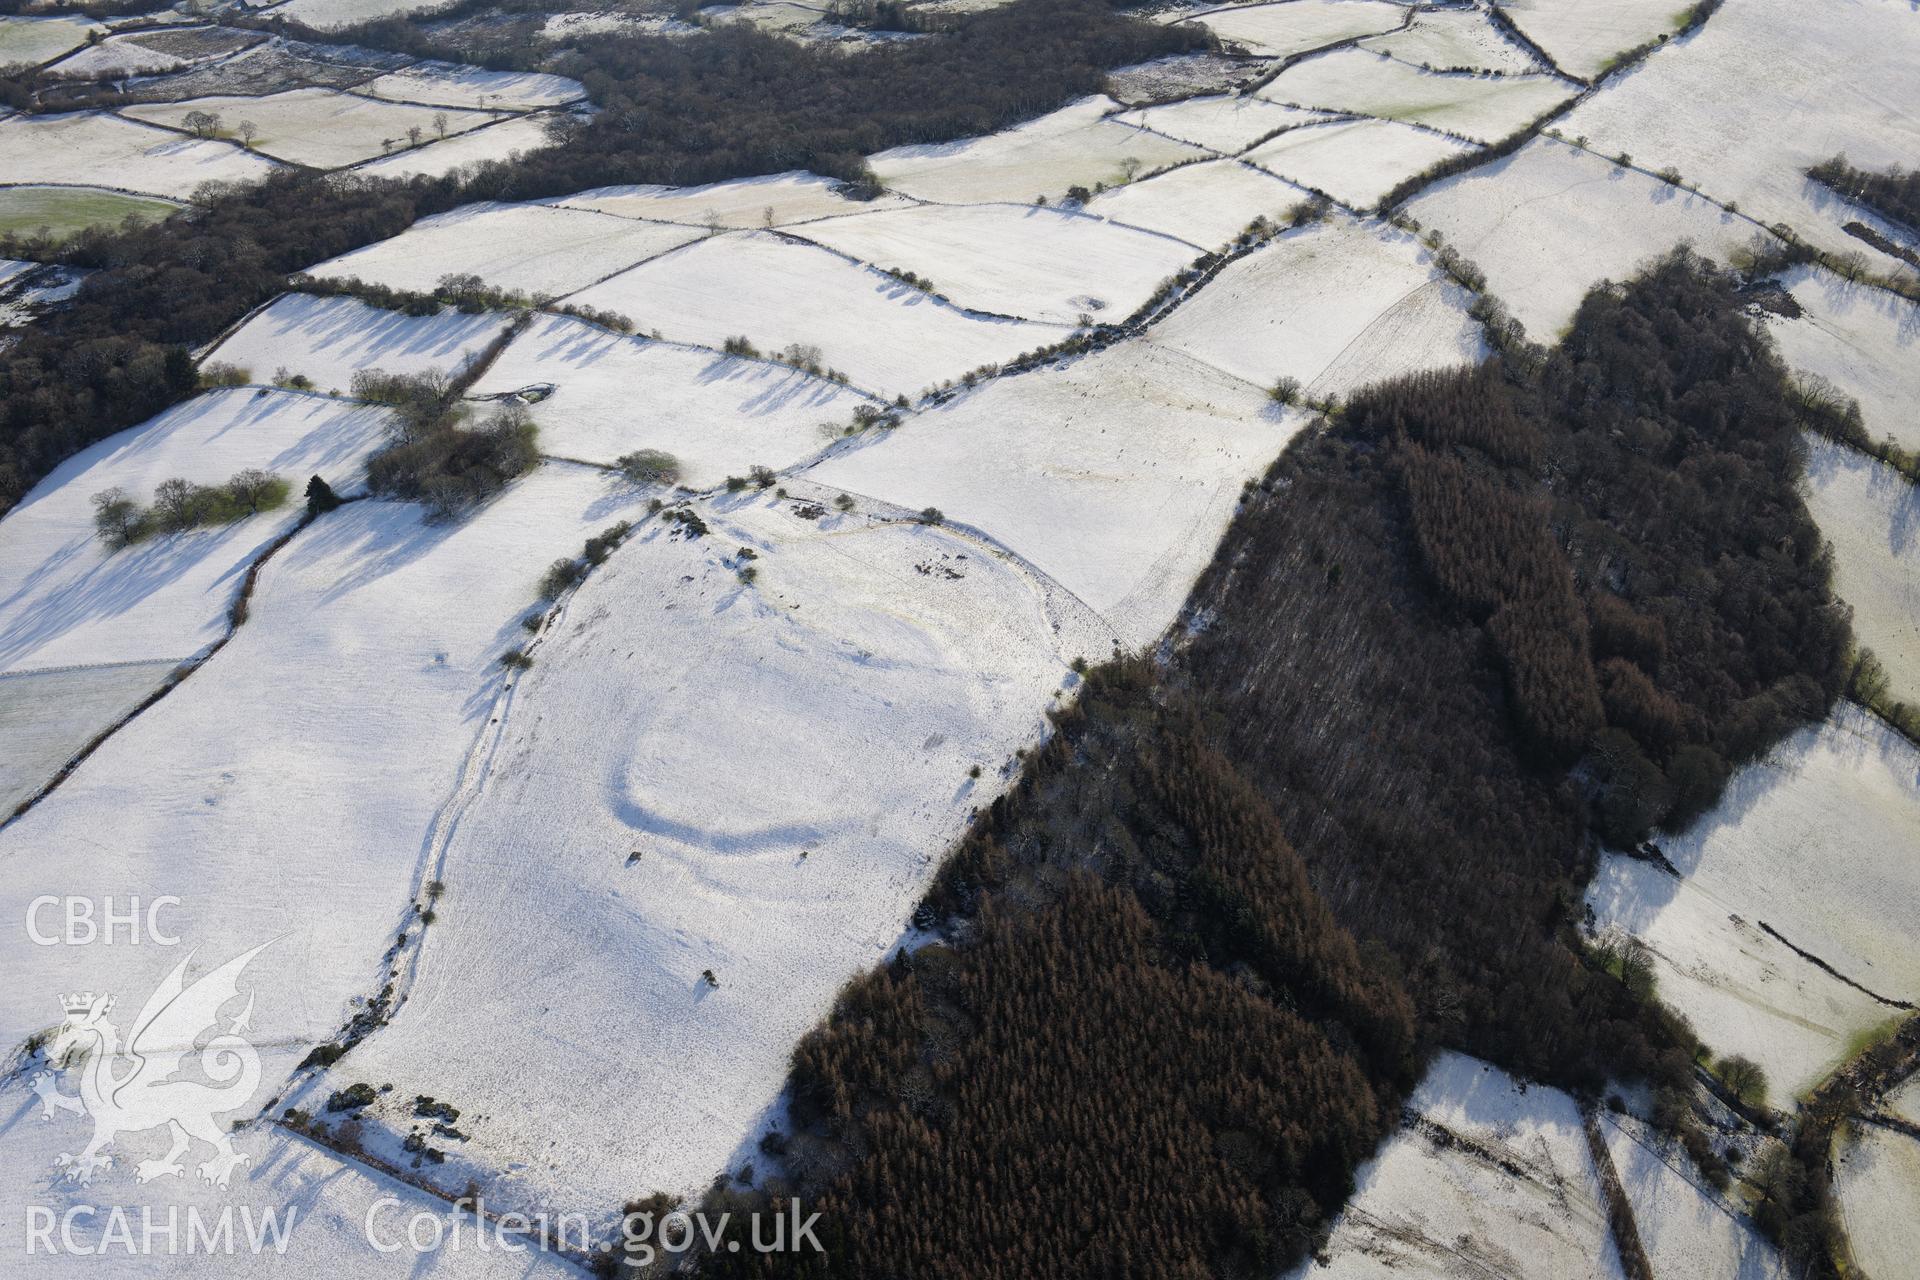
[[79, 1003]]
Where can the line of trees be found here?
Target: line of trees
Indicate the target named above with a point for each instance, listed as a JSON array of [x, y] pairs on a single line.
[[1894, 195], [179, 505]]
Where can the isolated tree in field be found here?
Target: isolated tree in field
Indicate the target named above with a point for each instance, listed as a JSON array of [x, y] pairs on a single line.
[[649, 466], [414, 134], [175, 503], [1744, 1079], [247, 131], [440, 123], [1636, 969], [320, 497], [116, 517], [254, 488], [1130, 167], [202, 124]]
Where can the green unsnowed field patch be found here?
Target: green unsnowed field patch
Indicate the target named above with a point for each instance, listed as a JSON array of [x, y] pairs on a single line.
[[64, 211]]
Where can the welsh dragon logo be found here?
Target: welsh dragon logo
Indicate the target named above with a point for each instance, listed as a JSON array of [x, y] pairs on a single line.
[[132, 1088]]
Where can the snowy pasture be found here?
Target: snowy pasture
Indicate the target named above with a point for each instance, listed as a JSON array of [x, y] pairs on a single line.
[[708, 776], [1905, 1101], [1550, 221], [1336, 305], [36, 40], [1448, 39], [48, 716], [532, 249], [66, 600], [116, 58], [502, 141], [1483, 108], [1436, 1202], [1296, 26], [321, 128], [330, 339], [1583, 38], [1205, 204], [1074, 146], [1226, 123], [287, 791], [87, 148], [1765, 89], [1865, 341], [1039, 264], [778, 200], [719, 415], [1871, 516], [1815, 842], [779, 293], [447, 84], [1115, 474], [1686, 1227], [1356, 161], [331, 15], [1877, 1184]]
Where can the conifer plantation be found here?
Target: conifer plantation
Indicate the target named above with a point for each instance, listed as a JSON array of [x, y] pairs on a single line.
[[1457, 634]]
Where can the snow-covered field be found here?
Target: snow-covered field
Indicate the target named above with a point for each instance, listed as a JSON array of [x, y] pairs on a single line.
[[752, 780], [1550, 221], [1205, 204], [1296, 26], [114, 58], [1905, 1101], [36, 40], [448, 84], [500, 141], [331, 15], [66, 600], [1765, 89], [1227, 123], [1336, 305], [719, 415], [1074, 146], [532, 249], [1815, 841], [777, 200], [1877, 1183], [1040, 264], [1484, 108], [1356, 162], [1115, 474], [777, 293], [322, 128], [1582, 37], [1686, 1227], [737, 759], [1436, 1203], [1864, 341], [329, 339], [1448, 39], [1871, 515], [87, 148], [47, 716], [287, 790]]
